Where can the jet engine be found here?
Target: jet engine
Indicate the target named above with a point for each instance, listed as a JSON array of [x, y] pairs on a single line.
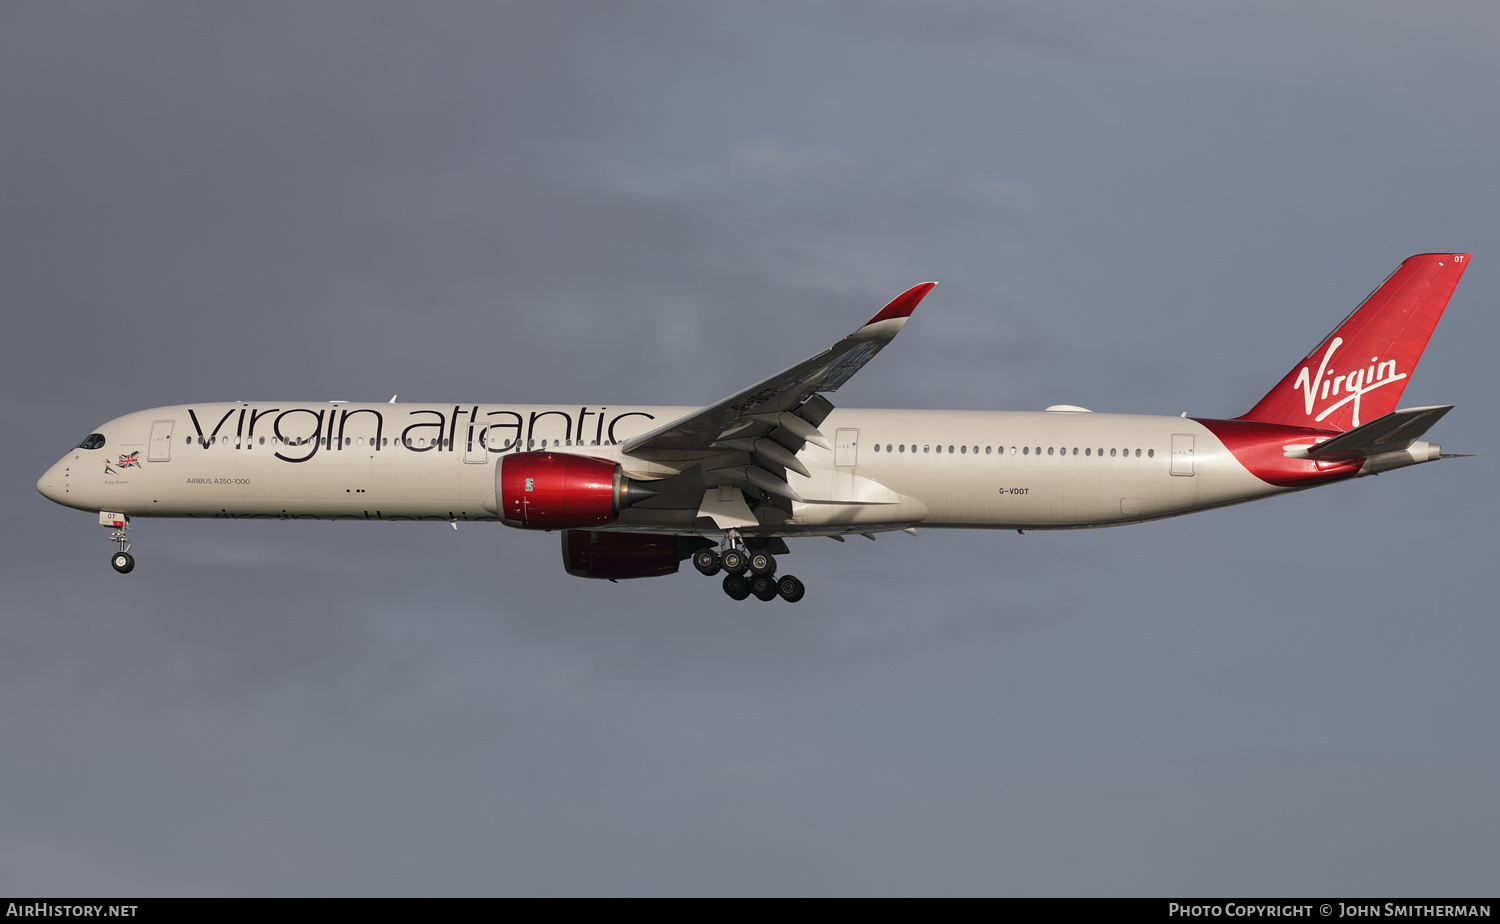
[[592, 554], [558, 490]]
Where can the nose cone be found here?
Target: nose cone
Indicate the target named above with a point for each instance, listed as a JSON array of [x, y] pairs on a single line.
[[52, 484]]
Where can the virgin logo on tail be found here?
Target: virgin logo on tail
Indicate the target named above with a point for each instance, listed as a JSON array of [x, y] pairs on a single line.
[[1390, 329], [1352, 385]]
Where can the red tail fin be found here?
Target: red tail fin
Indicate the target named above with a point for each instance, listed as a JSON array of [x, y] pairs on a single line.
[[1359, 371]]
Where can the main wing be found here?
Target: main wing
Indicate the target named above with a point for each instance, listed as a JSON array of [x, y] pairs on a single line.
[[770, 420]]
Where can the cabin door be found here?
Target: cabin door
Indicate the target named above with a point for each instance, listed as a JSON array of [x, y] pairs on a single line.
[[161, 441], [846, 448], [1182, 453]]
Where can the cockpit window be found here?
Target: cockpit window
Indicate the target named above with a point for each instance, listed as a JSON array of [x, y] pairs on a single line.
[[92, 441]]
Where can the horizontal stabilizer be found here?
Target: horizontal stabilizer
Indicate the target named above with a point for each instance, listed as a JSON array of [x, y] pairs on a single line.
[[1394, 432]]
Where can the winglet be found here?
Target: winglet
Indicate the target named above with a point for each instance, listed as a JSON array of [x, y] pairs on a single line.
[[902, 305]]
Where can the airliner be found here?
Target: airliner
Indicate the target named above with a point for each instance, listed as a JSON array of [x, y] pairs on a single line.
[[634, 491]]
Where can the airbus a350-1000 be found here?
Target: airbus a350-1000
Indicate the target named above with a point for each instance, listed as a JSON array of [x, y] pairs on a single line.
[[635, 491]]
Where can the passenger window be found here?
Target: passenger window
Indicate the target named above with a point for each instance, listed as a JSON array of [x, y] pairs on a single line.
[[1088, 452], [986, 450], [940, 450], [887, 447], [1049, 450], [901, 448], [1075, 450], [1111, 453], [263, 441], [1151, 453], [1025, 450], [1137, 453], [963, 449], [926, 448]]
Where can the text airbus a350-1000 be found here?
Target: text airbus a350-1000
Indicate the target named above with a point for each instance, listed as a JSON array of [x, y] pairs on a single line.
[[634, 491]]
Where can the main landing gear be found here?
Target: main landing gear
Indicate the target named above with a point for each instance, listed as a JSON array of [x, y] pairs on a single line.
[[748, 572]]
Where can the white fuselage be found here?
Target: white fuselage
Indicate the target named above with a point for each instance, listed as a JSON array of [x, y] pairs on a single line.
[[888, 469]]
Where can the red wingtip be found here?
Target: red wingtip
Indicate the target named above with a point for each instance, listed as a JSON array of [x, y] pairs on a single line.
[[904, 304]]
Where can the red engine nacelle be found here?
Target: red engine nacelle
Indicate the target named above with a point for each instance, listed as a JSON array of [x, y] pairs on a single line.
[[591, 554], [558, 490]]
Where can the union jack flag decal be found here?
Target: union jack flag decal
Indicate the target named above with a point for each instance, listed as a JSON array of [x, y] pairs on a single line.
[[131, 461]]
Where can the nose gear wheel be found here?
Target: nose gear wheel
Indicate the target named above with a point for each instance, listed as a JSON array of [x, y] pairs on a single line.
[[122, 561]]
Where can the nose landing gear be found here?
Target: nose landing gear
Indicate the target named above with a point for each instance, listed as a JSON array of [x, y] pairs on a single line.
[[122, 561]]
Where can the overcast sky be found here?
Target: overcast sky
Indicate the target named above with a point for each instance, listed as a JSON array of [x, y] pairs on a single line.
[[1149, 207]]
